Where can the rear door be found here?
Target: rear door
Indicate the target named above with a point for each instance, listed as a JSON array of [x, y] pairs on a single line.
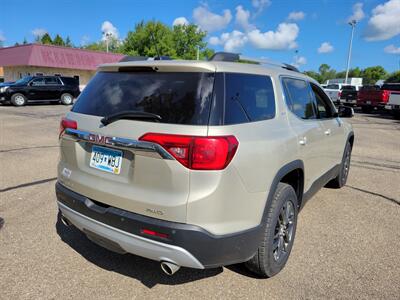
[[53, 87], [148, 181], [303, 120]]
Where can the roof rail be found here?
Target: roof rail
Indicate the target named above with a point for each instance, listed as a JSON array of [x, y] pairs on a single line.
[[234, 57], [133, 58]]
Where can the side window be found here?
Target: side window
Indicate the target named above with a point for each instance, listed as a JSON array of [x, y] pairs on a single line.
[[298, 98], [248, 98], [51, 81], [37, 82], [322, 102]]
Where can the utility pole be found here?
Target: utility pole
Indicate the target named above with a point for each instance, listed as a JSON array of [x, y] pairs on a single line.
[[198, 52], [107, 35], [353, 25]]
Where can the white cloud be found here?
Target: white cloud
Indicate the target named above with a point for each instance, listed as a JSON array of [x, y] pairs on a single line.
[[299, 61], [392, 49], [39, 32], [210, 21], [85, 40], [2, 37], [108, 28], [325, 47], [180, 21], [385, 22], [296, 16], [358, 13], [231, 41], [260, 5], [242, 18], [283, 38]]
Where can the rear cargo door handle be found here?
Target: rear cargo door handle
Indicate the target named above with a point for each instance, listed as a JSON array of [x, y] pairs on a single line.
[[93, 206], [303, 141], [327, 132]]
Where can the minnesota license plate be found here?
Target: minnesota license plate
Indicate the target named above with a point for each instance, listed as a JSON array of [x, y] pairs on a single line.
[[106, 159]]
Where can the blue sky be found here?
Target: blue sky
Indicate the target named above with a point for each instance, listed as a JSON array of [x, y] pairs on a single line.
[[272, 29]]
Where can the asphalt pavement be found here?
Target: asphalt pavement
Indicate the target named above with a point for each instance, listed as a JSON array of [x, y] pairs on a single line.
[[347, 243]]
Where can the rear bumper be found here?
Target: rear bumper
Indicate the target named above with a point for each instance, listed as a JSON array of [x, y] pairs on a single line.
[[186, 245]]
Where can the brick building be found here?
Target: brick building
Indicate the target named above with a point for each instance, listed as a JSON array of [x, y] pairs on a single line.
[[36, 59]]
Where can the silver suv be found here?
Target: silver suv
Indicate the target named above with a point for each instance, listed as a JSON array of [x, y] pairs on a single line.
[[199, 164]]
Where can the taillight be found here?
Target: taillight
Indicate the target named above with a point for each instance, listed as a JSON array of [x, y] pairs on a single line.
[[67, 123], [340, 94], [196, 152], [386, 95], [154, 233]]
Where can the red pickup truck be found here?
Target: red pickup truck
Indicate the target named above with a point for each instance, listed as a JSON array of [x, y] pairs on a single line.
[[375, 97]]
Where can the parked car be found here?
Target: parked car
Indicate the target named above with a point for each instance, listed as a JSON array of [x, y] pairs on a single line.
[[199, 164], [348, 95], [393, 104], [374, 97], [40, 88], [333, 91]]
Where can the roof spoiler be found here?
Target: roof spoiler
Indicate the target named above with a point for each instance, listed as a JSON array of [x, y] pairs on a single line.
[[236, 57]]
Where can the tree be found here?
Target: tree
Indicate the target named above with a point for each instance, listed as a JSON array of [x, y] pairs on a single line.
[[314, 75], [326, 73], [372, 74], [58, 41], [25, 41], [393, 77], [149, 37], [68, 42], [46, 39], [187, 39]]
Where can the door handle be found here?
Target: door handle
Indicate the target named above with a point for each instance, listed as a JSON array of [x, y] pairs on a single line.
[[303, 141], [327, 132]]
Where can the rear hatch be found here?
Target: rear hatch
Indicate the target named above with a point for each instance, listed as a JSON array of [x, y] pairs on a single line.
[[348, 93], [107, 162]]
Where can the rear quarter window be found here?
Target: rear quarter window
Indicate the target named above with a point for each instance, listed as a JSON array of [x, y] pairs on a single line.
[[248, 98]]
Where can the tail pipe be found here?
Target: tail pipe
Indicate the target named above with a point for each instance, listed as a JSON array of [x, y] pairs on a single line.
[[65, 221], [169, 268]]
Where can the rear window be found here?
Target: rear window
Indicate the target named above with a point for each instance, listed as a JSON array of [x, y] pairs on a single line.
[[332, 86], [348, 88], [391, 87], [69, 81], [370, 88], [179, 98], [248, 98]]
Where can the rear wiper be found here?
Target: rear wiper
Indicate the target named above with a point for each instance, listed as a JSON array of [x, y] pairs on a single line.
[[130, 114]]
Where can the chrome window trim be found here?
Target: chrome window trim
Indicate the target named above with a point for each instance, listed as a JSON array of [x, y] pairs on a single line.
[[139, 147]]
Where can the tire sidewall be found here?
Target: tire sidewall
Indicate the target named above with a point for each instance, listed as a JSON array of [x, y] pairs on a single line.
[[270, 264], [18, 95], [342, 180], [66, 95]]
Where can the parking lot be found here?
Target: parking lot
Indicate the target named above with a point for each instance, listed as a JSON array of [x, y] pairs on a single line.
[[347, 243]]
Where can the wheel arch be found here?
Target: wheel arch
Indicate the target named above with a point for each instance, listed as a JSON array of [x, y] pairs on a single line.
[[292, 174]]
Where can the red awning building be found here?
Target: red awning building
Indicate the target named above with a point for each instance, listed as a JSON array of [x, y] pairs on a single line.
[[38, 59]]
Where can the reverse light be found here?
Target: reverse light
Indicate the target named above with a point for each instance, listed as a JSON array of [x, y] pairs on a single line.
[[67, 123], [196, 152]]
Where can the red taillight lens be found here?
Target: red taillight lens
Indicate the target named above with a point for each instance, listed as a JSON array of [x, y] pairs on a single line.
[[340, 94], [386, 95], [67, 123], [195, 152], [154, 233]]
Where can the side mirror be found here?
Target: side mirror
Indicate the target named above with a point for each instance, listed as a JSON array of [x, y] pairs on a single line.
[[345, 111]]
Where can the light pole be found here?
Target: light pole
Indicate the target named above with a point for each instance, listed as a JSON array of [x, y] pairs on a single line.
[[107, 35], [353, 25]]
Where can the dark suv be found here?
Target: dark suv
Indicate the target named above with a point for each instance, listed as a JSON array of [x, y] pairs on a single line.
[[40, 88]]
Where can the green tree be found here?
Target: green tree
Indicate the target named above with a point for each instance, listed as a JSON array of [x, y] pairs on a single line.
[[314, 75], [149, 37], [25, 41], [393, 77], [187, 39], [58, 40], [326, 73], [68, 42], [46, 39], [372, 74]]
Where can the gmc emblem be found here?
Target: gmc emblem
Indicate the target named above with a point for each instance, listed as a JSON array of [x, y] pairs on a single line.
[[99, 139]]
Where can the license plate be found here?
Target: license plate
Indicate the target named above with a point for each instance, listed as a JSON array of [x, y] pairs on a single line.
[[368, 102], [106, 159]]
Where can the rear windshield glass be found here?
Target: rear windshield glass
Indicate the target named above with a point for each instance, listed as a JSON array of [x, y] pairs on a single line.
[[349, 88], [370, 88], [179, 98], [391, 87]]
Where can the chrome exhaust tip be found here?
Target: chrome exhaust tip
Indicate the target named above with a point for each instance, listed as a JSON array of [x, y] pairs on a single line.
[[169, 268], [65, 221]]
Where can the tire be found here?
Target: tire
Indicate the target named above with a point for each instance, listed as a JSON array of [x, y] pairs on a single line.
[[396, 114], [278, 238], [340, 180], [66, 99], [18, 99], [366, 109]]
